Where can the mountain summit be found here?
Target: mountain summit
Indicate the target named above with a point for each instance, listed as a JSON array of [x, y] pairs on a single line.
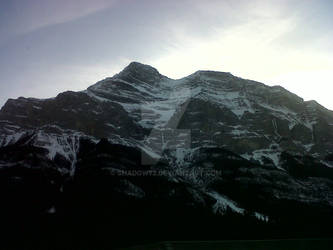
[[208, 142], [140, 72], [249, 118]]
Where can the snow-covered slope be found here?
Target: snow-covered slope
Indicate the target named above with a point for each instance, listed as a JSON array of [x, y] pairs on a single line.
[[212, 141], [139, 106]]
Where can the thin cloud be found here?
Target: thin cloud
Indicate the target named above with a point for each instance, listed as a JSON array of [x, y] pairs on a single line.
[[267, 41], [19, 17]]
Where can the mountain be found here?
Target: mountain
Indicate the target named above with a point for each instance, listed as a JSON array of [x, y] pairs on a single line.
[[141, 151]]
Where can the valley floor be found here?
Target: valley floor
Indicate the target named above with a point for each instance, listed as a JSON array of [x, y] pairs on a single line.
[[289, 244]]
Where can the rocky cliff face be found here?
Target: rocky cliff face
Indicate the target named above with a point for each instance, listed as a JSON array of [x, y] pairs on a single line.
[[208, 142], [217, 109]]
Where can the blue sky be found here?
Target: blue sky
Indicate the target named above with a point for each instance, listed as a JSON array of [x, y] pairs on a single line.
[[47, 46]]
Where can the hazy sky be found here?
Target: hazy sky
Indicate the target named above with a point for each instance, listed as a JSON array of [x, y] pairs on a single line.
[[49, 46]]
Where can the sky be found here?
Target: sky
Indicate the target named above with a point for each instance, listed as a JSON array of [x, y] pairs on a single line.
[[47, 46]]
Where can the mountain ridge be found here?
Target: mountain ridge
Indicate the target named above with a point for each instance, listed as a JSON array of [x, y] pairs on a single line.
[[157, 104], [212, 143], [142, 65]]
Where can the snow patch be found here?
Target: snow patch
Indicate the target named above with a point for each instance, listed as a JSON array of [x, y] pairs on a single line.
[[262, 217], [222, 203], [308, 147], [259, 155], [66, 145], [246, 156], [133, 190], [327, 164], [96, 97], [51, 210], [112, 126], [11, 139]]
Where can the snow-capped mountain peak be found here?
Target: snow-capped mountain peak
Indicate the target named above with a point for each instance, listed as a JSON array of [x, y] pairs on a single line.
[[249, 118], [139, 72], [209, 142]]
